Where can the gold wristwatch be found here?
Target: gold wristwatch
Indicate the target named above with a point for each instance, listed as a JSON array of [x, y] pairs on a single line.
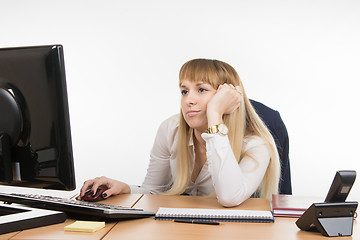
[[221, 129]]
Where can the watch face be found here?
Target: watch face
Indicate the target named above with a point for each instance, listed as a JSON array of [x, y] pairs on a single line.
[[223, 129]]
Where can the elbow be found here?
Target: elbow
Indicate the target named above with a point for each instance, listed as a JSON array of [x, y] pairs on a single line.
[[228, 204], [232, 200]]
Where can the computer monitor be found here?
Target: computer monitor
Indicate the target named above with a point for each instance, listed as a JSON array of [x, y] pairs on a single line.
[[35, 138]]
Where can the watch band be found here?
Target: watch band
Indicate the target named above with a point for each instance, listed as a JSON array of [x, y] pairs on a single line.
[[221, 129], [212, 130]]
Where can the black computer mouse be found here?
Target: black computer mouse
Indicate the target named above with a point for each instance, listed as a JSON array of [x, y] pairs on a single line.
[[94, 197]]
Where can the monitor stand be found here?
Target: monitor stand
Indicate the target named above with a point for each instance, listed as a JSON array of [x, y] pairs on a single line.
[[6, 174], [17, 218]]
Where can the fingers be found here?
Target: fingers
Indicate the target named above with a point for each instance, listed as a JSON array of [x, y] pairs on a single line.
[[227, 99], [99, 181], [93, 184], [231, 89], [115, 188], [233, 97], [87, 184], [230, 86], [111, 186]]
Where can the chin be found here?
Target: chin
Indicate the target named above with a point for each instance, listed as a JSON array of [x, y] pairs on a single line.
[[195, 124]]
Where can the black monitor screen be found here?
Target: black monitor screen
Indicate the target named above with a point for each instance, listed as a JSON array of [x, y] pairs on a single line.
[[35, 138]]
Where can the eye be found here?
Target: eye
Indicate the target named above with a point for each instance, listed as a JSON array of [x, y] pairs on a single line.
[[184, 92], [202, 90]]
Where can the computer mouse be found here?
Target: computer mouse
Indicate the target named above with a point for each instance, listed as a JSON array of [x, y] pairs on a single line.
[[98, 196]]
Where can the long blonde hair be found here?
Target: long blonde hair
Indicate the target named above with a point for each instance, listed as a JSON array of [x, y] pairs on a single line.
[[242, 123]]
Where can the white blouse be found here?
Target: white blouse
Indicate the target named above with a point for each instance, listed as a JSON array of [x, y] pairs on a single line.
[[232, 182]]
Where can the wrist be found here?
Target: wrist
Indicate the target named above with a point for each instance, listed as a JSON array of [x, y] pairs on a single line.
[[220, 129], [214, 118], [126, 189]]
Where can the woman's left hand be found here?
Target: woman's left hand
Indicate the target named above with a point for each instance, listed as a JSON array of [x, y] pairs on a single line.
[[226, 100]]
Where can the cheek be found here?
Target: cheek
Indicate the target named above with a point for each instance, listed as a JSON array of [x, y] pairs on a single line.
[[208, 99]]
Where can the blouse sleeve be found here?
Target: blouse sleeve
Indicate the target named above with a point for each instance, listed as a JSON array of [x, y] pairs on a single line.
[[235, 182], [158, 177]]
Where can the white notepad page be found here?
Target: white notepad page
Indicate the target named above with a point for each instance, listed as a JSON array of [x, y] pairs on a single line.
[[213, 213]]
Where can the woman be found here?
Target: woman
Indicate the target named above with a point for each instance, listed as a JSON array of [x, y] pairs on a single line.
[[216, 145]]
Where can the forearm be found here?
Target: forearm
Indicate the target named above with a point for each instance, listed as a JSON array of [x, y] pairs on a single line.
[[157, 179], [233, 182], [214, 118]]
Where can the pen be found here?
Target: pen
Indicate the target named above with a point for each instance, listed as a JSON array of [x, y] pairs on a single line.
[[196, 222]]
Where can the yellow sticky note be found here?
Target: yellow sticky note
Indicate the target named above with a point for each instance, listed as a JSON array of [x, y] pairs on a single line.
[[85, 226]]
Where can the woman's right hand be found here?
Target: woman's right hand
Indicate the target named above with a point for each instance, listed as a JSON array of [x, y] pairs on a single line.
[[111, 186]]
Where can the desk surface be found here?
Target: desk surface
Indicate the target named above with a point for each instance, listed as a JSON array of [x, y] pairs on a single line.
[[148, 228], [283, 228]]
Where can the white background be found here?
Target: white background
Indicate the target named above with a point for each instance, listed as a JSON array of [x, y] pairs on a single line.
[[122, 59]]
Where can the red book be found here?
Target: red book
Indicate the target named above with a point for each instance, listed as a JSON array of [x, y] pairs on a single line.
[[291, 206]]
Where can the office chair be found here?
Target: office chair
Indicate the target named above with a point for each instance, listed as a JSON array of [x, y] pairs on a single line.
[[278, 130]]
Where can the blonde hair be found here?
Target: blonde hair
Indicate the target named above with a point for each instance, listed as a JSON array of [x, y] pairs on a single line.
[[242, 123]]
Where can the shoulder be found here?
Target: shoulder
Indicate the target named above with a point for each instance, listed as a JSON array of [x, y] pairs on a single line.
[[169, 126], [171, 123], [166, 136]]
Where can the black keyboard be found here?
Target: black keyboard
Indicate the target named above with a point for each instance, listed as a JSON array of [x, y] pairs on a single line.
[[76, 209]]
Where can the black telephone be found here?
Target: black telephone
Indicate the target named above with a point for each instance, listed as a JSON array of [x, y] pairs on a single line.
[[334, 217], [341, 186]]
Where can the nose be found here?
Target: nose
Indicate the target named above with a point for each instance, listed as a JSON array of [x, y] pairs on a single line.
[[191, 98]]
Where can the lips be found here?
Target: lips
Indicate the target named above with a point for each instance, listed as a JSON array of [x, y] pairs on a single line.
[[192, 113]]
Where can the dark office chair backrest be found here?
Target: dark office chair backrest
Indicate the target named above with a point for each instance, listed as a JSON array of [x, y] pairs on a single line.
[[277, 128]]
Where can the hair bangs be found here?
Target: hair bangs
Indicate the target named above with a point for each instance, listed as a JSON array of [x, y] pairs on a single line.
[[200, 70]]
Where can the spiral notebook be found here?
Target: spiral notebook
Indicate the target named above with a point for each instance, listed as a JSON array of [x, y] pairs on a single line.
[[226, 215]]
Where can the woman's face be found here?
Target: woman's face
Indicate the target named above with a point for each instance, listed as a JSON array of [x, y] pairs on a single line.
[[194, 100]]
